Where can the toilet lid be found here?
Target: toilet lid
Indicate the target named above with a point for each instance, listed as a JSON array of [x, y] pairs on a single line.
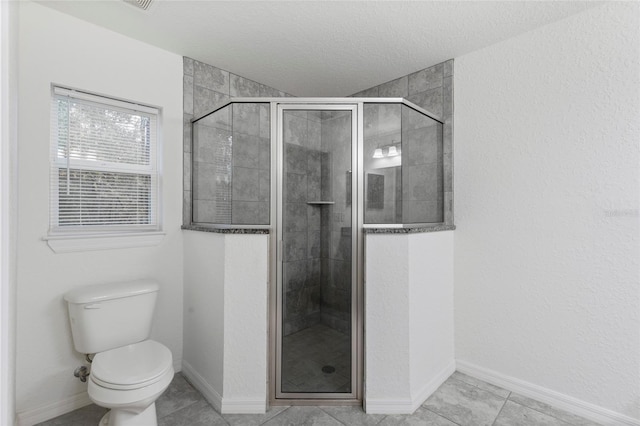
[[132, 366]]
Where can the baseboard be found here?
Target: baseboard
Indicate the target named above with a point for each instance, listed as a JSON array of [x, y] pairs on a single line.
[[409, 405], [55, 409], [548, 396], [198, 382], [388, 406], [433, 385], [177, 365], [243, 406]]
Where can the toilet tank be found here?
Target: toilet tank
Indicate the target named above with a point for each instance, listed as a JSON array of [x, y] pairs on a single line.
[[107, 316]]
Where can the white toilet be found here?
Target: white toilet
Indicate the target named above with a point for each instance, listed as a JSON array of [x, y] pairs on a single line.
[[128, 372]]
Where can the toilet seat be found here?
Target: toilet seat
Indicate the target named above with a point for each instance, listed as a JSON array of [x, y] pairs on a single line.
[[131, 367]]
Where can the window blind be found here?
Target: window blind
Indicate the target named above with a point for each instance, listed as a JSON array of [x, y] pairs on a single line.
[[104, 173]]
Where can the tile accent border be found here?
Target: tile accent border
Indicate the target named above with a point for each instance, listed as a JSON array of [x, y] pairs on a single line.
[[551, 397]]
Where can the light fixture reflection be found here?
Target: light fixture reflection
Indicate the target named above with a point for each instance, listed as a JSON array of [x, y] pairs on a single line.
[[393, 152], [378, 153]]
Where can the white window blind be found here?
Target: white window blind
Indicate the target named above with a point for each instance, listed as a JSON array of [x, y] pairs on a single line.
[[104, 173]]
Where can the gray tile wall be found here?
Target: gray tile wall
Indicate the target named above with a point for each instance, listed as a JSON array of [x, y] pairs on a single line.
[[336, 223], [206, 87], [302, 266], [431, 89]]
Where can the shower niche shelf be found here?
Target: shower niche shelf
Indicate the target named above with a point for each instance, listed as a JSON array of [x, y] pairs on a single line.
[[320, 203]]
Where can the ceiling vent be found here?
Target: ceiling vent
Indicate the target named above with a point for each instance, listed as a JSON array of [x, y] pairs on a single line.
[[139, 4]]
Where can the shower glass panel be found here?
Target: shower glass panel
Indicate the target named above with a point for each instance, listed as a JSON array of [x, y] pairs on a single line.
[[403, 167], [317, 288], [231, 166]]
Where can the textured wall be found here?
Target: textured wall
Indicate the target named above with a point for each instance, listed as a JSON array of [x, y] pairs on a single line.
[[409, 318], [100, 61], [225, 331], [547, 245]]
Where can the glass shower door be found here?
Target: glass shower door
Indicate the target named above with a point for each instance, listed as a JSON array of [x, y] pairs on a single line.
[[316, 350]]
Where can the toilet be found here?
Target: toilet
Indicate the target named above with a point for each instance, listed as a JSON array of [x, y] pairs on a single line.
[[129, 372]]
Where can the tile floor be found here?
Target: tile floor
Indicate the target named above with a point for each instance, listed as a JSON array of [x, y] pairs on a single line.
[[305, 352], [461, 400]]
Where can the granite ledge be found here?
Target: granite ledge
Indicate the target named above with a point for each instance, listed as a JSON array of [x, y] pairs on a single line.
[[412, 230], [226, 230]]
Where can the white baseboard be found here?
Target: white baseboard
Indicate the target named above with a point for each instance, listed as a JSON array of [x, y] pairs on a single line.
[[55, 409], [222, 405], [243, 406], [177, 365], [388, 406], [433, 385], [409, 405], [548, 396], [198, 382]]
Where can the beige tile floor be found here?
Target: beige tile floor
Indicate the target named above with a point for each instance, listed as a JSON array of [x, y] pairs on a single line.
[[462, 400]]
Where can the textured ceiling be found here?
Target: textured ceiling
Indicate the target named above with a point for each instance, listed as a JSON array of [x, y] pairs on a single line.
[[321, 48]]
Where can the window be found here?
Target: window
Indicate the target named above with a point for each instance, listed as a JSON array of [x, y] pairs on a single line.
[[104, 174]]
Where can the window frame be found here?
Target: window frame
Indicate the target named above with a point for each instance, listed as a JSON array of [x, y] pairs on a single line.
[[104, 235]]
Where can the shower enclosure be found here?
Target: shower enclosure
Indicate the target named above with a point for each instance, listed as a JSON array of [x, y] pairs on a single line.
[[316, 173]]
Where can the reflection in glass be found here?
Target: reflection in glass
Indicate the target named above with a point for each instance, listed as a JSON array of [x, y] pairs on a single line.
[[316, 298], [404, 147]]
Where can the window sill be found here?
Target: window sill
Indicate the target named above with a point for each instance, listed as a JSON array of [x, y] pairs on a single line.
[[83, 242]]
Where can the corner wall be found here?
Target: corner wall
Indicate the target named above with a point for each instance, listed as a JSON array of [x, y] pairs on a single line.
[[547, 245], [408, 319], [8, 211], [57, 48], [225, 326]]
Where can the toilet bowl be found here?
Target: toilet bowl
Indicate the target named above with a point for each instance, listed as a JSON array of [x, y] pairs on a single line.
[[129, 371], [128, 380]]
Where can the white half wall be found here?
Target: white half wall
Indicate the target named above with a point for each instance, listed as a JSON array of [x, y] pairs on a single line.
[[204, 312], [8, 216], [408, 319], [57, 48], [225, 328], [547, 185]]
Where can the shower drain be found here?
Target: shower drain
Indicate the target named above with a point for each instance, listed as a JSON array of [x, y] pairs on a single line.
[[328, 369]]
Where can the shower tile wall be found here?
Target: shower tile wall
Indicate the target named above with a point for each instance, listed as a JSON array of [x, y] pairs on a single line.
[[432, 89], [422, 171], [317, 267], [204, 88], [336, 223], [304, 161]]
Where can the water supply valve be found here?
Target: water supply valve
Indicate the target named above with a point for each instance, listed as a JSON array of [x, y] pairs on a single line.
[[81, 372]]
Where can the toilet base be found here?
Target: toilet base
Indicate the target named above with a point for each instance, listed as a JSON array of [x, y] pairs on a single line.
[[118, 417]]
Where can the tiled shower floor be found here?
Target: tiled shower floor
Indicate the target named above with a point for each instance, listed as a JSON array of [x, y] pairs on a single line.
[[307, 351], [461, 401]]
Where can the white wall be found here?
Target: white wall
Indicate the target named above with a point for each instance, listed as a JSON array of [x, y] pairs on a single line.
[[225, 329], [246, 323], [8, 217], [547, 183], [56, 48], [430, 258], [408, 319], [204, 263]]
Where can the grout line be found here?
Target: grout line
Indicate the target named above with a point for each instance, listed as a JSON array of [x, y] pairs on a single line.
[[440, 415], [546, 413], [499, 412], [277, 415], [331, 415]]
